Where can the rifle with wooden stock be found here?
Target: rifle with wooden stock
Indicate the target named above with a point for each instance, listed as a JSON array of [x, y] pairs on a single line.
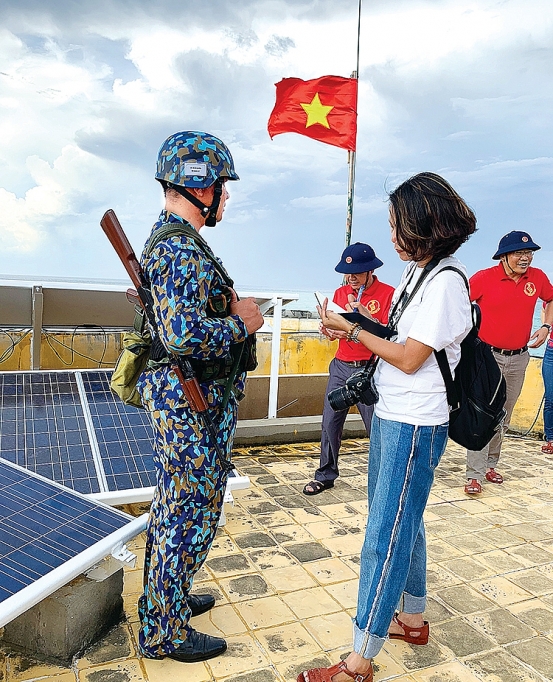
[[142, 295]]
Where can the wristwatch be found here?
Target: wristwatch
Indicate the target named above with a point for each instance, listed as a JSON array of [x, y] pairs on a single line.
[[547, 326]]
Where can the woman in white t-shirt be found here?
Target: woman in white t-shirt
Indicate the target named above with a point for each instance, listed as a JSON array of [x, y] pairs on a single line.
[[429, 222]]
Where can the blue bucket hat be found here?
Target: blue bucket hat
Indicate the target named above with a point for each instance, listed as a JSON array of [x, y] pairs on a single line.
[[356, 258], [515, 241]]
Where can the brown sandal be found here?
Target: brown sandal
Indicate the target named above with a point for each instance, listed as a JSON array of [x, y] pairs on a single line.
[[420, 638], [326, 674], [473, 487]]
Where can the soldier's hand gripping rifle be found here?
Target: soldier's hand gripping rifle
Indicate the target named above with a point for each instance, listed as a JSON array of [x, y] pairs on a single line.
[[180, 365]]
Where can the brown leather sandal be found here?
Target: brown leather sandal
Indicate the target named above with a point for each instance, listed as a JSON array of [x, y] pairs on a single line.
[[420, 638], [326, 674], [494, 476], [473, 487]]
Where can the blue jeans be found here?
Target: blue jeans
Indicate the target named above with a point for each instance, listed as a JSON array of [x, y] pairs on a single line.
[[402, 459], [547, 371]]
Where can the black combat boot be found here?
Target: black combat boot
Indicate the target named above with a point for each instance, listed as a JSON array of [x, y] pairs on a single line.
[[200, 603]]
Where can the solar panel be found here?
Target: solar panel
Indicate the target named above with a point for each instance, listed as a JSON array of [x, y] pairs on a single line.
[[48, 536], [70, 428], [42, 428], [123, 433]]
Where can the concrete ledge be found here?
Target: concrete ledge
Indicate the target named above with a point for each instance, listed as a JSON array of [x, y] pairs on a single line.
[[291, 430]]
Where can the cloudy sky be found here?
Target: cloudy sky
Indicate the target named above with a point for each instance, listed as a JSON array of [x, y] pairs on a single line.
[[88, 91]]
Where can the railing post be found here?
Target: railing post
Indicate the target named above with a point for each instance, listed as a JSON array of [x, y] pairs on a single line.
[[38, 304], [275, 357]]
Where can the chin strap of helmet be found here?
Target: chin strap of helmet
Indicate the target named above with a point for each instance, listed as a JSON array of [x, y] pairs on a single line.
[[208, 212]]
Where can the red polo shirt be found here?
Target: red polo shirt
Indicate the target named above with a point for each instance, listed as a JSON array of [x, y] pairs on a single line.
[[508, 306], [377, 299]]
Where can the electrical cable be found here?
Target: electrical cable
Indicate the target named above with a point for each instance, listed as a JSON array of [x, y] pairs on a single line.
[[50, 339], [6, 355]]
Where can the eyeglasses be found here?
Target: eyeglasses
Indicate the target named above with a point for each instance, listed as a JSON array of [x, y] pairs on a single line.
[[521, 254]]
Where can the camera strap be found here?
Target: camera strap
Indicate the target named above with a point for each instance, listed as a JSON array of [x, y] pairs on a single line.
[[404, 298]]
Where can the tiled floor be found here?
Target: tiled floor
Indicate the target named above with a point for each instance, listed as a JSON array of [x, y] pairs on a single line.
[[284, 572]]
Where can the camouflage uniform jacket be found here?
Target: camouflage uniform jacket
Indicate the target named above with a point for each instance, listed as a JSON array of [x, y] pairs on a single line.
[[181, 281]]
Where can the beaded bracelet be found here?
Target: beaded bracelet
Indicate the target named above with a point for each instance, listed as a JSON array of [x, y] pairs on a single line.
[[353, 333]]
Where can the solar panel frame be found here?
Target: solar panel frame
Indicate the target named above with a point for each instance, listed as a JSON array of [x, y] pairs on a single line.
[[49, 535]]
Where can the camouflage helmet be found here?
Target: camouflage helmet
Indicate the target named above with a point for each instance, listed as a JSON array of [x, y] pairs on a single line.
[[194, 159]]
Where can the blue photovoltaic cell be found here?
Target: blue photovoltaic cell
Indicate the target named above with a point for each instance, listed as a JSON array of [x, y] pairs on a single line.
[[42, 428], [124, 434], [43, 525]]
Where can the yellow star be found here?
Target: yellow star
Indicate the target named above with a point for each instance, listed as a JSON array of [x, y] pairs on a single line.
[[316, 112]]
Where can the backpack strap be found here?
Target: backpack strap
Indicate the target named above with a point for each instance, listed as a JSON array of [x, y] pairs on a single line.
[[441, 356], [168, 230]]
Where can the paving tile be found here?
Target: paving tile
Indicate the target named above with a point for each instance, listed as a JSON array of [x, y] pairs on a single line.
[[436, 611], [438, 577], [464, 599], [292, 669], [167, 669], [291, 533], [294, 578], [413, 657], [242, 655], [254, 540], [265, 559], [274, 519], [329, 571], [127, 671], [265, 612], [537, 653], [501, 667], [448, 672], [325, 529], [531, 554], [263, 675], [238, 523], [532, 581], [461, 638], [386, 667], [502, 626], [344, 545], [287, 643], [499, 561], [534, 613], [467, 569], [233, 564], [440, 550], [497, 537], [313, 602], [20, 667], [344, 593], [308, 551], [340, 511], [331, 630], [245, 587], [530, 532], [501, 591], [221, 621], [467, 543], [115, 645]]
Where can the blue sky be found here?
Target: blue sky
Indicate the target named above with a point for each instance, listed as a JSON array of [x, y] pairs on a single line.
[[88, 92]]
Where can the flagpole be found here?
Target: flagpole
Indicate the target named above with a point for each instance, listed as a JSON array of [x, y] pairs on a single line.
[[351, 155]]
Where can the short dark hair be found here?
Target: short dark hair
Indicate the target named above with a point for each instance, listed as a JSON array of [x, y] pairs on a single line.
[[431, 219]]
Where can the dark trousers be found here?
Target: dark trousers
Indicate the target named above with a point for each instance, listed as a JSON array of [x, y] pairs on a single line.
[[333, 422]]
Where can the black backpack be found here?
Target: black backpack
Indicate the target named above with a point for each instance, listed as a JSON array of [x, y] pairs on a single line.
[[477, 395]]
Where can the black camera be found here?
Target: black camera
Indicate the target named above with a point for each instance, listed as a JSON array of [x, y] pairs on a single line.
[[359, 388]]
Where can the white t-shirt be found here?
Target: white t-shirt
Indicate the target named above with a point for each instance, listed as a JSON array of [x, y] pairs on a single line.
[[440, 317]]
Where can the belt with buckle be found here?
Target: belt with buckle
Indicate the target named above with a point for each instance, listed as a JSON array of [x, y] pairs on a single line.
[[503, 351], [355, 363]]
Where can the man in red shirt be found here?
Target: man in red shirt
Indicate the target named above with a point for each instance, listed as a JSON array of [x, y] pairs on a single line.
[[507, 296], [358, 263]]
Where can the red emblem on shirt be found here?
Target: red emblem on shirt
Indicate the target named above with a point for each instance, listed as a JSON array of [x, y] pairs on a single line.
[[373, 306], [529, 288]]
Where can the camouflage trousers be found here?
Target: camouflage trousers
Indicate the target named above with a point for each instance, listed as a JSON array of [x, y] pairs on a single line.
[[183, 521]]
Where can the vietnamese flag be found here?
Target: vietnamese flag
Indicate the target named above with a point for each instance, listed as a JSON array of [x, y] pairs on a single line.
[[323, 108]]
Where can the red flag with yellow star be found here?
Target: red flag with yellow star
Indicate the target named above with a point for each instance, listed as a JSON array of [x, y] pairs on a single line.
[[323, 108]]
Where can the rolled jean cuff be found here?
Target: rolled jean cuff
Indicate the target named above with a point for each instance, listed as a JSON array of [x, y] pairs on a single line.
[[365, 644], [413, 604]]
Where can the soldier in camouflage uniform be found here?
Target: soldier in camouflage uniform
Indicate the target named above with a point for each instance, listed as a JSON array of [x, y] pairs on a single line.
[[200, 317]]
